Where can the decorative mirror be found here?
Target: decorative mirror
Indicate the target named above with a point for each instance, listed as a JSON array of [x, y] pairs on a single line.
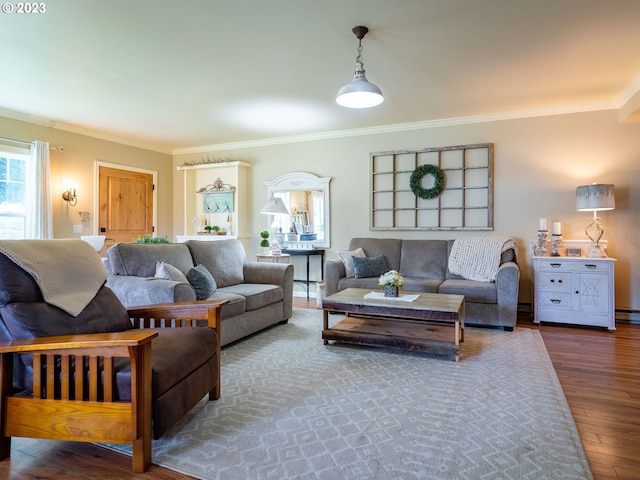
[[306, 196]]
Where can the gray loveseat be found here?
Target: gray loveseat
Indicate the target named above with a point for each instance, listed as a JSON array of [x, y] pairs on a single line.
[[259, 294], [424, 266]]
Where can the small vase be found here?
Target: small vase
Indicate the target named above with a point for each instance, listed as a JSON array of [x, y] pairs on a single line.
[[390, 291]]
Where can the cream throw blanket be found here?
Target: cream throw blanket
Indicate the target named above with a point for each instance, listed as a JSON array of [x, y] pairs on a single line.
[[68, 272], [478, 258]]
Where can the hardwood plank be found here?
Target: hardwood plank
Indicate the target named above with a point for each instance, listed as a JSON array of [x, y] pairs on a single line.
[[600, 374]]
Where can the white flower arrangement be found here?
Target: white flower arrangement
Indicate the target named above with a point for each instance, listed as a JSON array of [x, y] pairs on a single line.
[[392, 278]]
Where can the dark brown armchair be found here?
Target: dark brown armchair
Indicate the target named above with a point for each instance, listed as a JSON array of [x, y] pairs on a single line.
[[106, 375]]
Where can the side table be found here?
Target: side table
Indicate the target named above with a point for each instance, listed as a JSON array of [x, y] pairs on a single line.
[[308, 254], [574, 290]]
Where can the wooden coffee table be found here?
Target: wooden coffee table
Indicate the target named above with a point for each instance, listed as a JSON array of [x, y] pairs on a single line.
[[433, 322]]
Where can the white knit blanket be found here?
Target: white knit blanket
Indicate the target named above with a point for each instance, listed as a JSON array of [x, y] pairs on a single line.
[[68, 272], [478, 258]]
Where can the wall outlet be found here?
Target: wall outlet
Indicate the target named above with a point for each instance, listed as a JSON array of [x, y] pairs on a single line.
[[77, 229]]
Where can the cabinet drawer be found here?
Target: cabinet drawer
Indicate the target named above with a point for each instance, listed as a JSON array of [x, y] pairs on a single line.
[[555, 282], [555, 300], [556, 265], [590, 267]]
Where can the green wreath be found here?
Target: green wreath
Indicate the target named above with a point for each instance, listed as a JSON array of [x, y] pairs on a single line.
[[438, 181]]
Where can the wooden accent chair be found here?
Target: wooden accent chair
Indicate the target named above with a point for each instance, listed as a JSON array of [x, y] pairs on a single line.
[[107, 375]]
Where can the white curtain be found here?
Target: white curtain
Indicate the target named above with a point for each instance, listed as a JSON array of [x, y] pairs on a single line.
[[38, 218]]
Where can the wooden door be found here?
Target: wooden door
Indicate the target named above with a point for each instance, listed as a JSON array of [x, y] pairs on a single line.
[[126, 205]]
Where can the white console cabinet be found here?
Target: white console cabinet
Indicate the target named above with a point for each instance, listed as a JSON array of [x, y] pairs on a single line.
[[572, 290]]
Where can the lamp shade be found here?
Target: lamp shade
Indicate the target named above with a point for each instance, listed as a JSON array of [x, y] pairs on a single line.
[[359, 93], [96, 241], [597, 196], [275, 205]]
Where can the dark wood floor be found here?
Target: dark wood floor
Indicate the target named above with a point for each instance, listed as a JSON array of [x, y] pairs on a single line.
[[599, 372]]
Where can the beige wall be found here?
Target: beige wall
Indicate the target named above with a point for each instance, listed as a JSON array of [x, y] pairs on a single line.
[[538, 163], [75, 166]]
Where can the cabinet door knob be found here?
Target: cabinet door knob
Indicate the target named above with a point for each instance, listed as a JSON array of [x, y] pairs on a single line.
[[577, 292]]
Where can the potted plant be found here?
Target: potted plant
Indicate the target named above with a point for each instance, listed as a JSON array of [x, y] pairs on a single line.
[[215, 229], [148, 238], [208, 228], [264, 243], [392, 282]]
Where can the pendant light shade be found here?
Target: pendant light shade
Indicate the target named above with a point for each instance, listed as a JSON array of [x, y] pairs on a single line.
[[359, 93]]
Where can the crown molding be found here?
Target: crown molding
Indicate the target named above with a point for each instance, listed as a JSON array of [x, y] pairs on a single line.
[[399, 127], [67, 127], [393, 128]]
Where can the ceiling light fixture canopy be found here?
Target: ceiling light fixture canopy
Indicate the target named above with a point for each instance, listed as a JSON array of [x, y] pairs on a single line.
[[359, 93]]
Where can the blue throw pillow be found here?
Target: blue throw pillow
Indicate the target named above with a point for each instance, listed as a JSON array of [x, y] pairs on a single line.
[[202, 282], [369, 267]]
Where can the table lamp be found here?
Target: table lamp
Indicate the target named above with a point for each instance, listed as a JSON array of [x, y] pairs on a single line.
[[276, 207], [596, 197]]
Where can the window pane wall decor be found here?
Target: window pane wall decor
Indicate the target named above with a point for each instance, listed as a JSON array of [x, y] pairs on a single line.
[[445, 188]]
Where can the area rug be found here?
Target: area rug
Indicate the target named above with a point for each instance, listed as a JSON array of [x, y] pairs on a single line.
[[292, 407]]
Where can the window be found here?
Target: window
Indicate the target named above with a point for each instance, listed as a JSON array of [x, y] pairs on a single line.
[[13, 176]]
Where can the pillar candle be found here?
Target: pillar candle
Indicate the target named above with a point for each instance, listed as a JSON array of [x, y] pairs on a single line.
[[557, 228], [543, 224]]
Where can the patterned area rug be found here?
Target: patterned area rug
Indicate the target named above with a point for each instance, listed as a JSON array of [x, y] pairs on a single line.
[[292, 407]]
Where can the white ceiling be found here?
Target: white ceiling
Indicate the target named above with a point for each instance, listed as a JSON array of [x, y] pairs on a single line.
[[170, 74]]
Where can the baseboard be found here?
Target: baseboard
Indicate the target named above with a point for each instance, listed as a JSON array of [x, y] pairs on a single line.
[[628, 315], [525, 308]]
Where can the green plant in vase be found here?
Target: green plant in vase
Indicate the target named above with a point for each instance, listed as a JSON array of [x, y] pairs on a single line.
[[264, 243], [208, 228], [215, 229], [148, 238]]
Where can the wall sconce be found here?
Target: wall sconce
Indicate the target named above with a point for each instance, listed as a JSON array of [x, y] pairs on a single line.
[[70, 197]]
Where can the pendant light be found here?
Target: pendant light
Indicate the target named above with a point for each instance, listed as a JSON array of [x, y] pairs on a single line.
[[359, 93]]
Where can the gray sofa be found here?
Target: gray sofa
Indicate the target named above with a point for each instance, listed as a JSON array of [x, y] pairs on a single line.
[[259, 294], [424, 266]]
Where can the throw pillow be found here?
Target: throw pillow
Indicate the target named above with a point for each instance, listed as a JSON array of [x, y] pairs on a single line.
[[169, 272], [346, 257], [369, 267], [202, 282]]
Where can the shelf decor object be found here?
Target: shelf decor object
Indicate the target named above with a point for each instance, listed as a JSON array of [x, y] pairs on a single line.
[[557, 247], [543, 234], [596, 197], [217, 197]]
